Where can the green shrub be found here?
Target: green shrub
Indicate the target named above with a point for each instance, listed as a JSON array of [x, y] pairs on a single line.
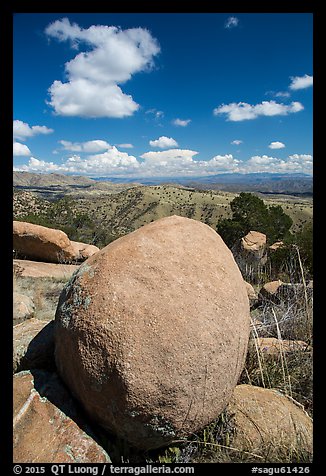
[[250, 213]]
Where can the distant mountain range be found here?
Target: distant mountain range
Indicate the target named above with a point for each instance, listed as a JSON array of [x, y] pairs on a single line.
[[293, 184]]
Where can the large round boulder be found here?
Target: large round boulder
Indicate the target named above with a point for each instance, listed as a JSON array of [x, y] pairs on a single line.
[[152, 331], [41, 243]]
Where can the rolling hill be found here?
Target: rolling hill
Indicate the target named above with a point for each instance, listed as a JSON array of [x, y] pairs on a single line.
[[126, 210]]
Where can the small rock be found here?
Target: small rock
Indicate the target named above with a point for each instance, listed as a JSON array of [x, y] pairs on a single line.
[[277, 291], [252, 295], [23, 307], [269, 292], [275, 246], [272, 347], [83, 250], [254, 244]]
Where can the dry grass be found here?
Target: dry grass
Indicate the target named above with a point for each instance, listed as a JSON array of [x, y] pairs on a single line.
[[44, 292]]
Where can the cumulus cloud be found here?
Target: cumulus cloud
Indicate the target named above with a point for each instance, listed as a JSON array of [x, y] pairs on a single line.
[[91, 146], [301, 82], [181, 122], [163, 142], [109, 163], [242, 111], [180, 162], [236, 142], [296, 163], [222, 163], [231, 22], [276, 145], [20, 150], [169, 163], [111, 57], [22, 131], [164, 156]]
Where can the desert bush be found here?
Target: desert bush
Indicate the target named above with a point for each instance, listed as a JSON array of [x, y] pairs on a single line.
[[250, 213]]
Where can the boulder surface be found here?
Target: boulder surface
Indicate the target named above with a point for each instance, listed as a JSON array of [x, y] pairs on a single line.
[[41, 243], [83, 250], [33, 345], [152, 331], [269, 423], [43, 432], [37, 269], [254, 243]]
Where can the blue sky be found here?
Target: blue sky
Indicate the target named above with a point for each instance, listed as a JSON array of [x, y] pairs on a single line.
[[163, 94]]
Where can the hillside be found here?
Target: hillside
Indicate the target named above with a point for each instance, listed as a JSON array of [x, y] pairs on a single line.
[[130, 209], [54, 186], [28, 179], [127, 210]]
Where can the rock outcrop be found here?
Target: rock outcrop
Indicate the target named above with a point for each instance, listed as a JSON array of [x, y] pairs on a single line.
[[83, 250], [41, 243], [269, 292], [253, 245], [44, 431], [49, 245], [267, 422], [33, 345], [37, 269], [152, 331]]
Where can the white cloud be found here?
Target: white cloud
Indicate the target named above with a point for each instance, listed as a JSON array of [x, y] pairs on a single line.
[[112, 162], [237, 142], [231, 22], [111, 57], [20, 149], [125, 146], [180, 162], [222, 163], [278, 94], [301, 82], [181, 122], [157, 114], [21, 130], [169, 163], [85, 98], [91, 146], [184, 155], [242, 111], [301, 157], [276, 145], [282, 94], [297, 163], [163, 142]]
